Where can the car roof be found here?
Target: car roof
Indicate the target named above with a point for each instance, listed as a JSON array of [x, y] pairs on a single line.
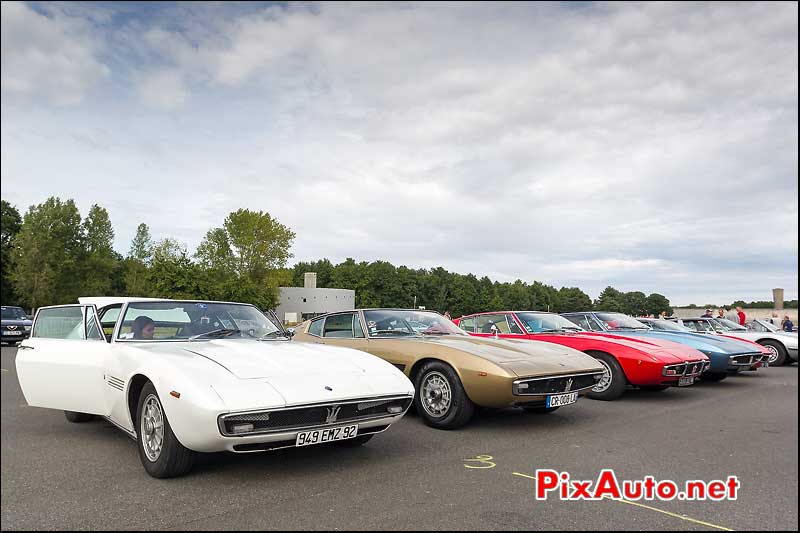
[[104, 301]]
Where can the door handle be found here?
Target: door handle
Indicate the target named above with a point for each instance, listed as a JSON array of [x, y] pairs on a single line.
[[21, 347]]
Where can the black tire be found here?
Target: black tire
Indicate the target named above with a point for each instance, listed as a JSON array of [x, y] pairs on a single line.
[[460, 408], [355, 442], [779, 352], [77, 418], [618, 380], [713, 376], [174, 459], [654, 388], [540, 410]]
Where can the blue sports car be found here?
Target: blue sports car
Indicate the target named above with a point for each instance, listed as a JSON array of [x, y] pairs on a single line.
[[726, 355]]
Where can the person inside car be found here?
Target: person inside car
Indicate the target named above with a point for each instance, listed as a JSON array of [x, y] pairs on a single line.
[[143, 328]]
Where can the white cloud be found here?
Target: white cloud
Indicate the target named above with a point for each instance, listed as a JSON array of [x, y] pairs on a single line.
[[47, 56], [163, 89], [646, 146]]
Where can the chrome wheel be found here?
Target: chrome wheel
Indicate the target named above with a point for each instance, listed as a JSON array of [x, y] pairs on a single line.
[[436, 394], [605, 381], [773, 353], [151, 427]]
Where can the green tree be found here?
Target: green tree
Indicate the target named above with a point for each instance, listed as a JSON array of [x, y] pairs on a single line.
[[610, 300], [248, 251], [100, 262], [572, 299], [137, 263], [656, 303], [48, 254], [10, 223], [142, 244], [635, 303]]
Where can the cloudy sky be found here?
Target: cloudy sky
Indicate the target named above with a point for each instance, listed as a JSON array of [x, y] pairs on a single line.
[[647, 146]]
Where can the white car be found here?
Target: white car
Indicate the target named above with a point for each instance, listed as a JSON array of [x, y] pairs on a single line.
[[782, 346], [193, 376]]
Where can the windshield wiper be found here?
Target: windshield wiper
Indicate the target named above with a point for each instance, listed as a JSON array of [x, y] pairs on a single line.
[[392, 331], [217, 333], [273, 335]]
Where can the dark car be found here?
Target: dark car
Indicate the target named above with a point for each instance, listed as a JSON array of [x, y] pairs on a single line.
[[15, 326]]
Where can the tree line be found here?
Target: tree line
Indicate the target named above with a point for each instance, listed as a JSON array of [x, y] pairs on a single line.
[[381, 284], [760, 304], [52, 256]]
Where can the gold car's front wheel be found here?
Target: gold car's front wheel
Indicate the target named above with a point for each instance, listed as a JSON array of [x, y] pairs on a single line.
[[441, 399]]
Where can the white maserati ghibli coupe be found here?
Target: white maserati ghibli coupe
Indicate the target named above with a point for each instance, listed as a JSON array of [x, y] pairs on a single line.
[[196, 376]]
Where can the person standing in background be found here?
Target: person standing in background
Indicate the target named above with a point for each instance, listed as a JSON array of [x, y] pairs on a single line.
[[720, 313], [774, 319], [732, 315], [740, 314], [708, 314], [788, 325]]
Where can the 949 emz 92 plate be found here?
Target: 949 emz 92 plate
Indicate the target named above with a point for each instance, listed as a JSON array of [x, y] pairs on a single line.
[[318, 436]]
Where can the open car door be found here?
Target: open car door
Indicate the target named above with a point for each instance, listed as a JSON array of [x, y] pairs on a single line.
[[62, 364]]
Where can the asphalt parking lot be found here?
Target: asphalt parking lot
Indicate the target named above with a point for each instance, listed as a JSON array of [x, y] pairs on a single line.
[[57, 475]]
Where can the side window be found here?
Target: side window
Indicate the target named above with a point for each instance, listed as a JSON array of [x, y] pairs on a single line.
[[316, 327], [59, 323], [594, 324], [108, 318], [92, 329], [582, 321], [467, 324], [339, 326], [512, 325], [484, 324], [358, 332]]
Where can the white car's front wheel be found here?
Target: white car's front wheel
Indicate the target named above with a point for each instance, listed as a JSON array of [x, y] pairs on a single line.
[[159, 450]]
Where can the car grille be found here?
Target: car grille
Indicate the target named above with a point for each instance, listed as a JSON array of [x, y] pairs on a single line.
[[277, 420], [692, 368], [555, 384], [745, 360]]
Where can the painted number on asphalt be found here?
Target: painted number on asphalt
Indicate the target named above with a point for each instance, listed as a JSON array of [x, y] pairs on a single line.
[[483, 461]]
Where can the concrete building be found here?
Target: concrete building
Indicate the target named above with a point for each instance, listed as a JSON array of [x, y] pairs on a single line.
[[301, 303]]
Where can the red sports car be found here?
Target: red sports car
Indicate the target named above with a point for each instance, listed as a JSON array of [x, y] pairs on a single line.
[[650, 364]]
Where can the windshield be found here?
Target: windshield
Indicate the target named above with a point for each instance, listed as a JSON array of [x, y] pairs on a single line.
[[398, 323], [546, 322], [12, 313], [702, 326], [728, 325], [619, 321], [162, 321], [762, 326], [667, 325]]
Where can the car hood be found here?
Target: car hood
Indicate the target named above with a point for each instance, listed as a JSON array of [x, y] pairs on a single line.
[[785, 337], [522, 357], [699, 341], [290, 373], [15, 322], [251, 359], [665, 350]]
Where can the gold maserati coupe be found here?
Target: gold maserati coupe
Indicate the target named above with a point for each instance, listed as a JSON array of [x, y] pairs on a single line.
[[452, 371]]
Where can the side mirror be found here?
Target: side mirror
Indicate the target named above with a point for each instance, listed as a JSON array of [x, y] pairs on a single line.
[[290, 332]]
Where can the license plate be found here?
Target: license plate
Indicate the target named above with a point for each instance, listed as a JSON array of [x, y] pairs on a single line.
[[12, 333], [318, 436], [557, 400], [685, 382]]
